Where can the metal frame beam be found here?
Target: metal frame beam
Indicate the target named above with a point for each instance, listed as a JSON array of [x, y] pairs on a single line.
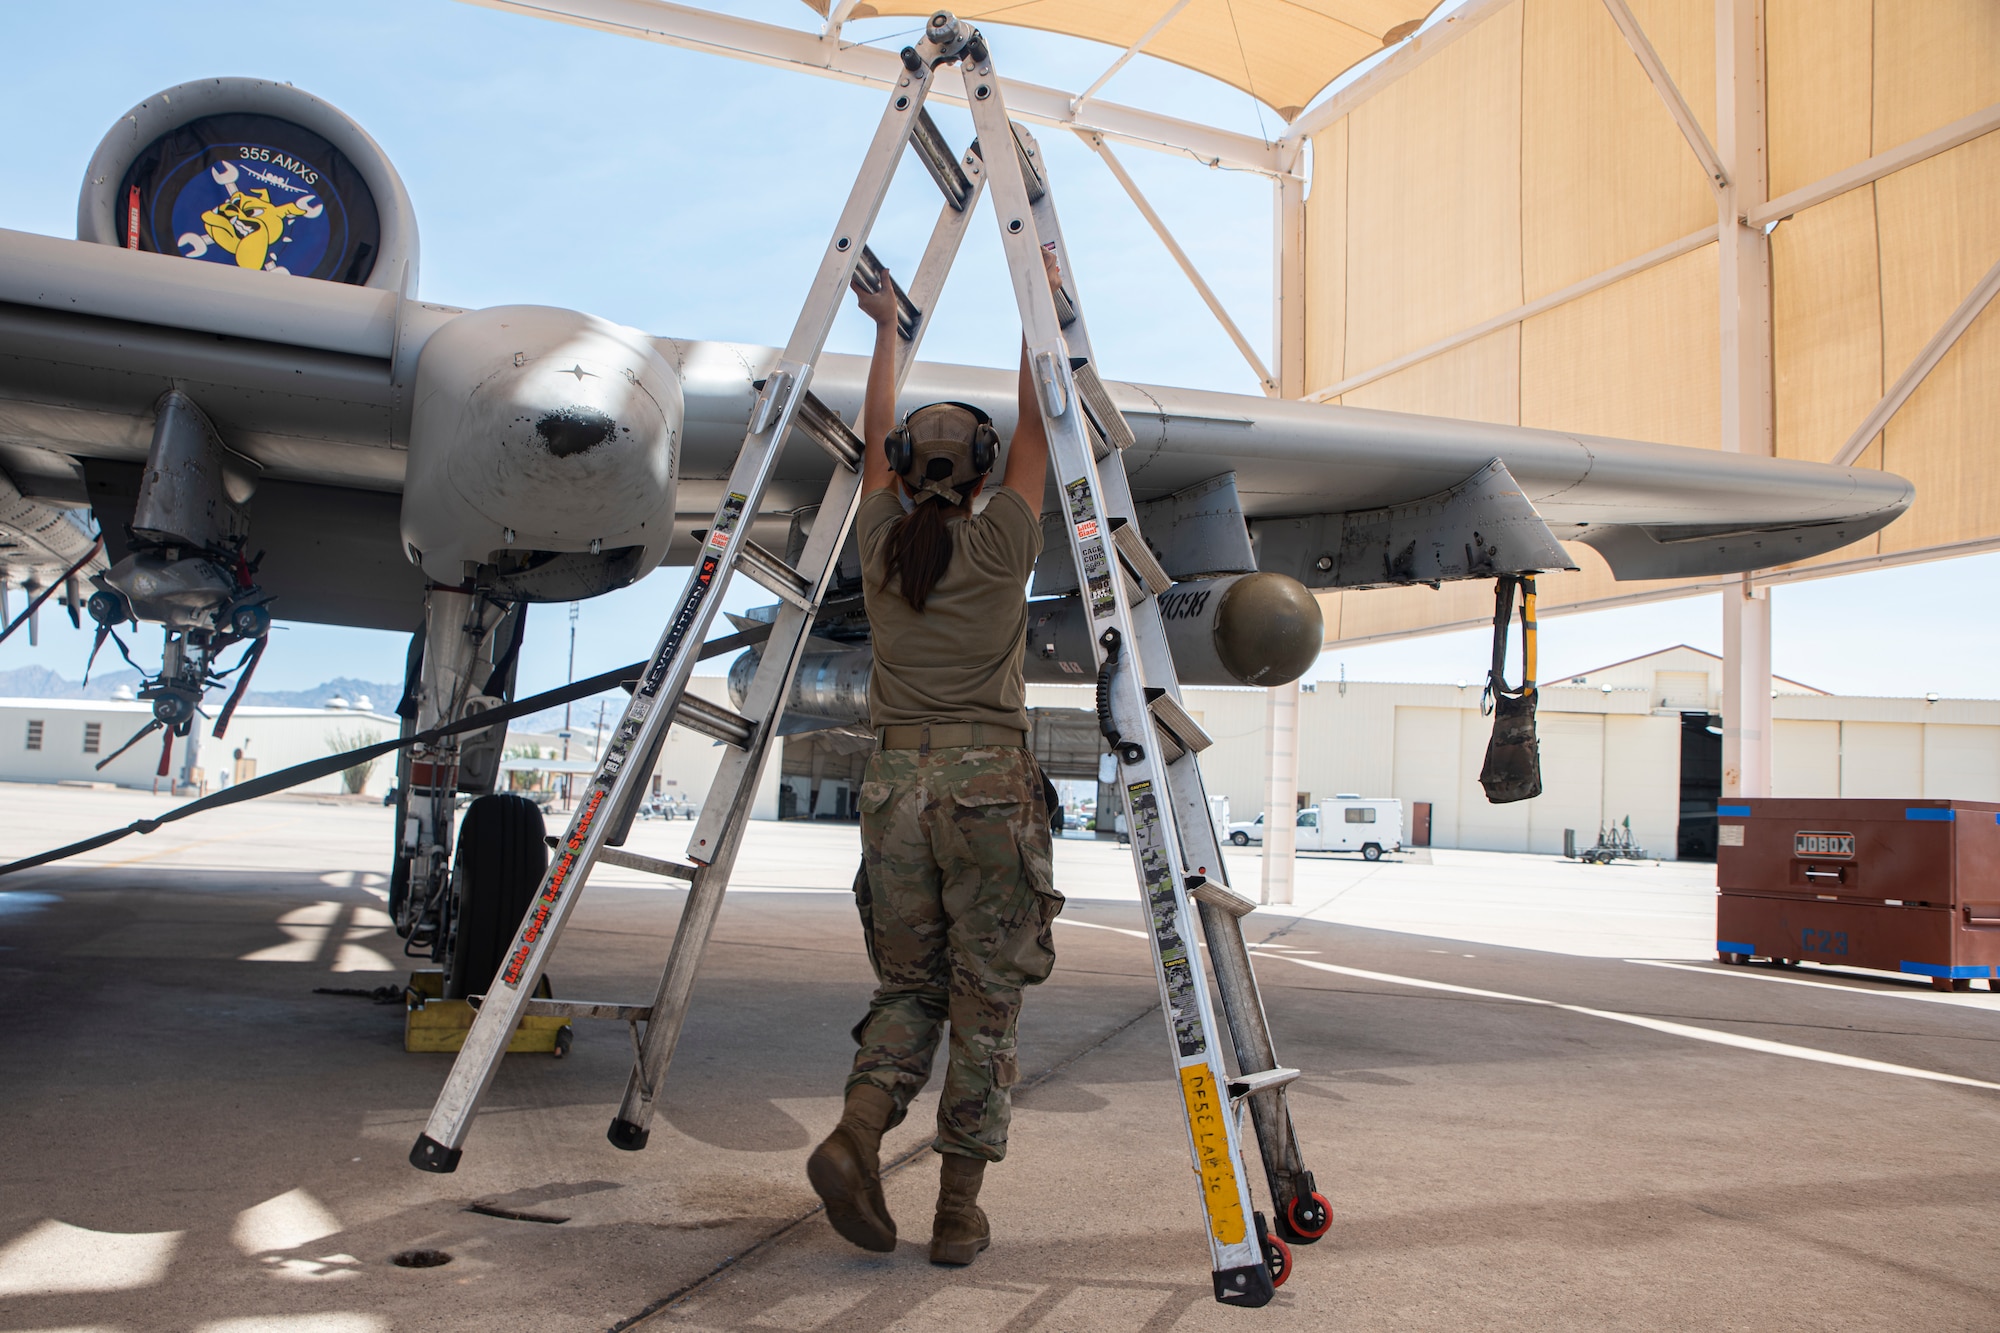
[[1126, 55], [1208, 296], [1942, 341], [1875, 168], [836, 17], [1670, 93], [827, 56]]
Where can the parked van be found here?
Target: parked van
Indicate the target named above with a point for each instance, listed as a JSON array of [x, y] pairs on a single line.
[[1370, 825]]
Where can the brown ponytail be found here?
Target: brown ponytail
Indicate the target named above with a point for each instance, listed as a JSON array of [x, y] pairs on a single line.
[[918, 551]]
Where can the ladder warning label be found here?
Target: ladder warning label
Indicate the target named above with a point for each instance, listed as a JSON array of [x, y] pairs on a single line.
[[545, 904], [1207, 1114], [1183, 1007], [698, 589], [1096, 565]]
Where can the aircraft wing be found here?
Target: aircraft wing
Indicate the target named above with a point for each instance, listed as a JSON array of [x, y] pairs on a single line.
[[316, 384]]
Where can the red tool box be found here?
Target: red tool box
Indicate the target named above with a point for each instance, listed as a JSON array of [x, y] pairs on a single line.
[[1899, 886]]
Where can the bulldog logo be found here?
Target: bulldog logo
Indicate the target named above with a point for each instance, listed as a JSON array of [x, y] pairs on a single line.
[[247, 224]]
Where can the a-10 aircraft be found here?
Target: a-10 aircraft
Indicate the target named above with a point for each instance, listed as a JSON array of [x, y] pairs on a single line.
[[230, 376]]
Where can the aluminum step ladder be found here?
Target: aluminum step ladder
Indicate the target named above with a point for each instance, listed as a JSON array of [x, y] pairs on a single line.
[[1154, 739]]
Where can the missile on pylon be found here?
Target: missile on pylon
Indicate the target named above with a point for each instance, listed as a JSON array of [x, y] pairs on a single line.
[[1257, 629], [1238, 629]]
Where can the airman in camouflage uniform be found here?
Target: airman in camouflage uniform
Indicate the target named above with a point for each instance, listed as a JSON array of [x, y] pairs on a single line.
[[956, 903], [955, 890]]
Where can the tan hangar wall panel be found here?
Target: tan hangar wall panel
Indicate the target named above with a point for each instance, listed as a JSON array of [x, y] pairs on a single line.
[[1601, 174], [1935, 62], [1962, 762], [1605, 172], [1826, 326], [1427, 767], [1805, 758], [1638, 360], [1326, 258], [1818, 60], [1433, 197], [1477, 382], [1881, 760], [1940, 233]]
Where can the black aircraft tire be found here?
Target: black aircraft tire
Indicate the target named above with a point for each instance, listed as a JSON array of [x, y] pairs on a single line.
[[499, 864]]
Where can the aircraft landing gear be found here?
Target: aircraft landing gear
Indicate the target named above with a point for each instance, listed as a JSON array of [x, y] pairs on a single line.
[[502, 854], [461, 664]]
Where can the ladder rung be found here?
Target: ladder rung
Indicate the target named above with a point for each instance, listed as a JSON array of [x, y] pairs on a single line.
[[626, 1013], [1246, 1085], [1097, 405], [773, 574], [823, 426], [1168, 712], [1031, 171], [868, 274], [1065, 308], [940, 161], [651, 865], [1205, 890], [714, 721], [1133, 547], [770, 396]]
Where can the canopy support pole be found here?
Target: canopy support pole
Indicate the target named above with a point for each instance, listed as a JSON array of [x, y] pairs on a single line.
[[1744, 269], [1207, 294]]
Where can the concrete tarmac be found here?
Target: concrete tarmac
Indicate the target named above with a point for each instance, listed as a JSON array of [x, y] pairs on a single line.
[[1510, 1137]]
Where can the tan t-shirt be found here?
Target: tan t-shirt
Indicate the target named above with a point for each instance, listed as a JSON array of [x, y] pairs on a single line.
[[960, 660]]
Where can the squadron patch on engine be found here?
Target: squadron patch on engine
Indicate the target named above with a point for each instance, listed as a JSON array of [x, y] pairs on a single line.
[[254, 192]]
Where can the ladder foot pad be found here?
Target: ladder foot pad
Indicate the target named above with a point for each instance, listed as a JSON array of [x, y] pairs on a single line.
[[430, 1155], [628, 1136], [1248, 1286]]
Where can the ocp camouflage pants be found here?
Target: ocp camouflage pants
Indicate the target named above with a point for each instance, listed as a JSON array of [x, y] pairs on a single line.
[[957, 903]]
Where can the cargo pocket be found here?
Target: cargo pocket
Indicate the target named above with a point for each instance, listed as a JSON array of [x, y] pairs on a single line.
[[874, 796], [864, 903], [1038, 868], [1006, 1066]]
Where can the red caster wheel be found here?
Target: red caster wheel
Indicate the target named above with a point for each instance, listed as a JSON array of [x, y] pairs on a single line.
[[1277, 1258], [1307, 1217]]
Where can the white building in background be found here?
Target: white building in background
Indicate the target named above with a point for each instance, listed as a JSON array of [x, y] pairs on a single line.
[[62, 740], [1629, 740]]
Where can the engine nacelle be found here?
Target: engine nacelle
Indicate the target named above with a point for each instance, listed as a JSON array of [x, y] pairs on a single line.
[[543, 452]]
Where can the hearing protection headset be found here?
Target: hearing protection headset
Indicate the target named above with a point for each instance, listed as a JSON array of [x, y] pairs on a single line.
[[901, 449]]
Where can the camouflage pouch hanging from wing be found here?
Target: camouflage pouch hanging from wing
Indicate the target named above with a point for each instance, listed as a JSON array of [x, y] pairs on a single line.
[[1513, 768]]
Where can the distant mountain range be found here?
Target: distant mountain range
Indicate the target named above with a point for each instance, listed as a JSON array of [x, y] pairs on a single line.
[[38, 682]]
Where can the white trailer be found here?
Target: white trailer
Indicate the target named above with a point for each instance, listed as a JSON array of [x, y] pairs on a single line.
[[1370, 825]]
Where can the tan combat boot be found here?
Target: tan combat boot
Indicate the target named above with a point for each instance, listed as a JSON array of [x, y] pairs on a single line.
[[846, 1170], [960, 1231]]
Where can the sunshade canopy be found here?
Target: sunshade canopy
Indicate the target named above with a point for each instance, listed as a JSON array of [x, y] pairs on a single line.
[[1281, 52]]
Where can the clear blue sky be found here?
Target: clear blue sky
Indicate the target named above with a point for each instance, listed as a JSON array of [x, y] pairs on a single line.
[[690, 195]]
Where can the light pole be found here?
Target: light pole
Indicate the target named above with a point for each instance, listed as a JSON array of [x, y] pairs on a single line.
[[574, 609]]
